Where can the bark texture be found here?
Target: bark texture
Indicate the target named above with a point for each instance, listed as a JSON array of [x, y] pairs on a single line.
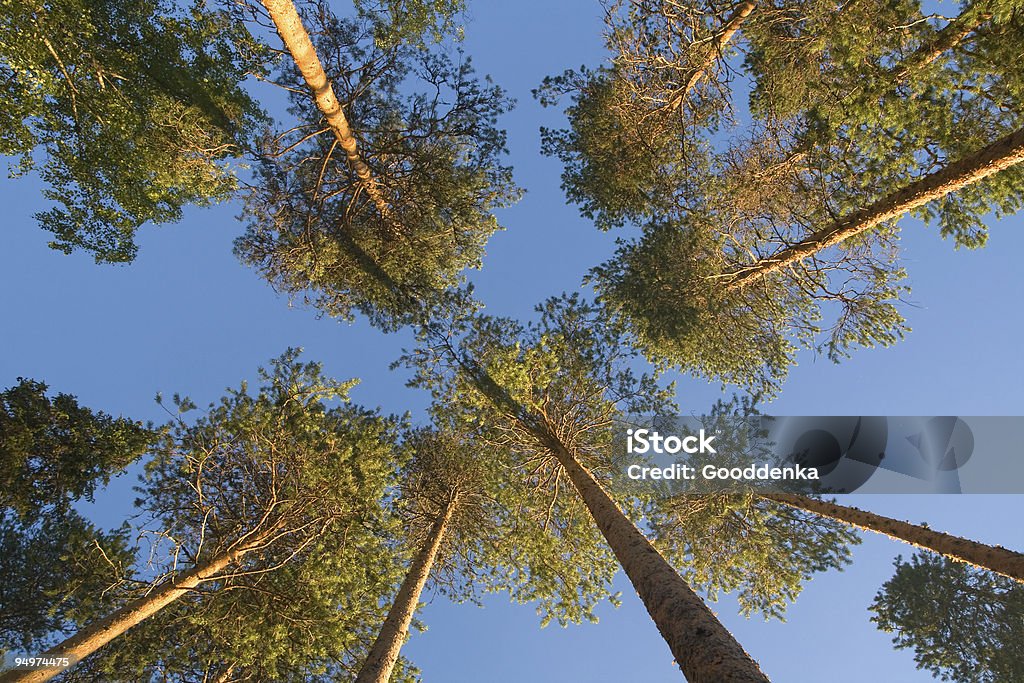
[[385, 650], [993, 558], [704, 649], [732, 25], [97, 634], [296, 39], [998, 156]]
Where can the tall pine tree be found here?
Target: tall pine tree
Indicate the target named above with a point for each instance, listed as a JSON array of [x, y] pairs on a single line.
[[383, 191], [760, 239], [552, 393], [268, 510]]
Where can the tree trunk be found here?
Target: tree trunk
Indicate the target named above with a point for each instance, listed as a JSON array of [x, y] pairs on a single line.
[[998, 156], [732, 25], [225, 675], [948, 37], [704, 649], [384, 653], [296, 39], [97, 634], [993, 558]]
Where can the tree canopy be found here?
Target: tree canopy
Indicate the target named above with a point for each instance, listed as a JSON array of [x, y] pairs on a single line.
[[58, 568], [962, 623], [131, 111], [847, 109], [298, 478], [497, 375], [54, 451], [757, 160], [59, 572], [386, 225]]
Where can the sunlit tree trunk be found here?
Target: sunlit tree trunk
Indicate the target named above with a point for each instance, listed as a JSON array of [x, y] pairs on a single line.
[[703, 648], [732, 25], [384, 652], [225, 675], [994, 558], [951, 35], [97, 634], [296, 39], [996, 157]]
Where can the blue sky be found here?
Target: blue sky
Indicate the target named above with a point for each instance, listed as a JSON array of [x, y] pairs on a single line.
[[187, 317]]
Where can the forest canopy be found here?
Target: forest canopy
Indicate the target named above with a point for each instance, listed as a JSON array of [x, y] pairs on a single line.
[[743, 174]]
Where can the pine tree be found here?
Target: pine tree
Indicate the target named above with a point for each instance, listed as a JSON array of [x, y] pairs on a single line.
[[963, 624], [289, 26], [762, 239], [475, 525], [737, 542], [131, 111], [1001, 155], [58, 572], [383, 191], [441, 497], [552, 393], [58, 569], [273, 503], [54, 451], [759, 550]]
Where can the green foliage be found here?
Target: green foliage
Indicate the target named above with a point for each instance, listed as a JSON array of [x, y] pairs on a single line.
[[308, 621], [619, 165], [291, 467], [570, 359], [875, 113], [59, 572], [506, 534], [443, 470], [664, 290], [412, 21], [847, 106], [54, 451], [964, 624], [685, 320], [505, 382], [132, 110], [426, 127], [742, 543], [762, 551]]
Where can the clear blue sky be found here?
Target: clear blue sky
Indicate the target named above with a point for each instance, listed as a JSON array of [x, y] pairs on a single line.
[[187, 317]]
